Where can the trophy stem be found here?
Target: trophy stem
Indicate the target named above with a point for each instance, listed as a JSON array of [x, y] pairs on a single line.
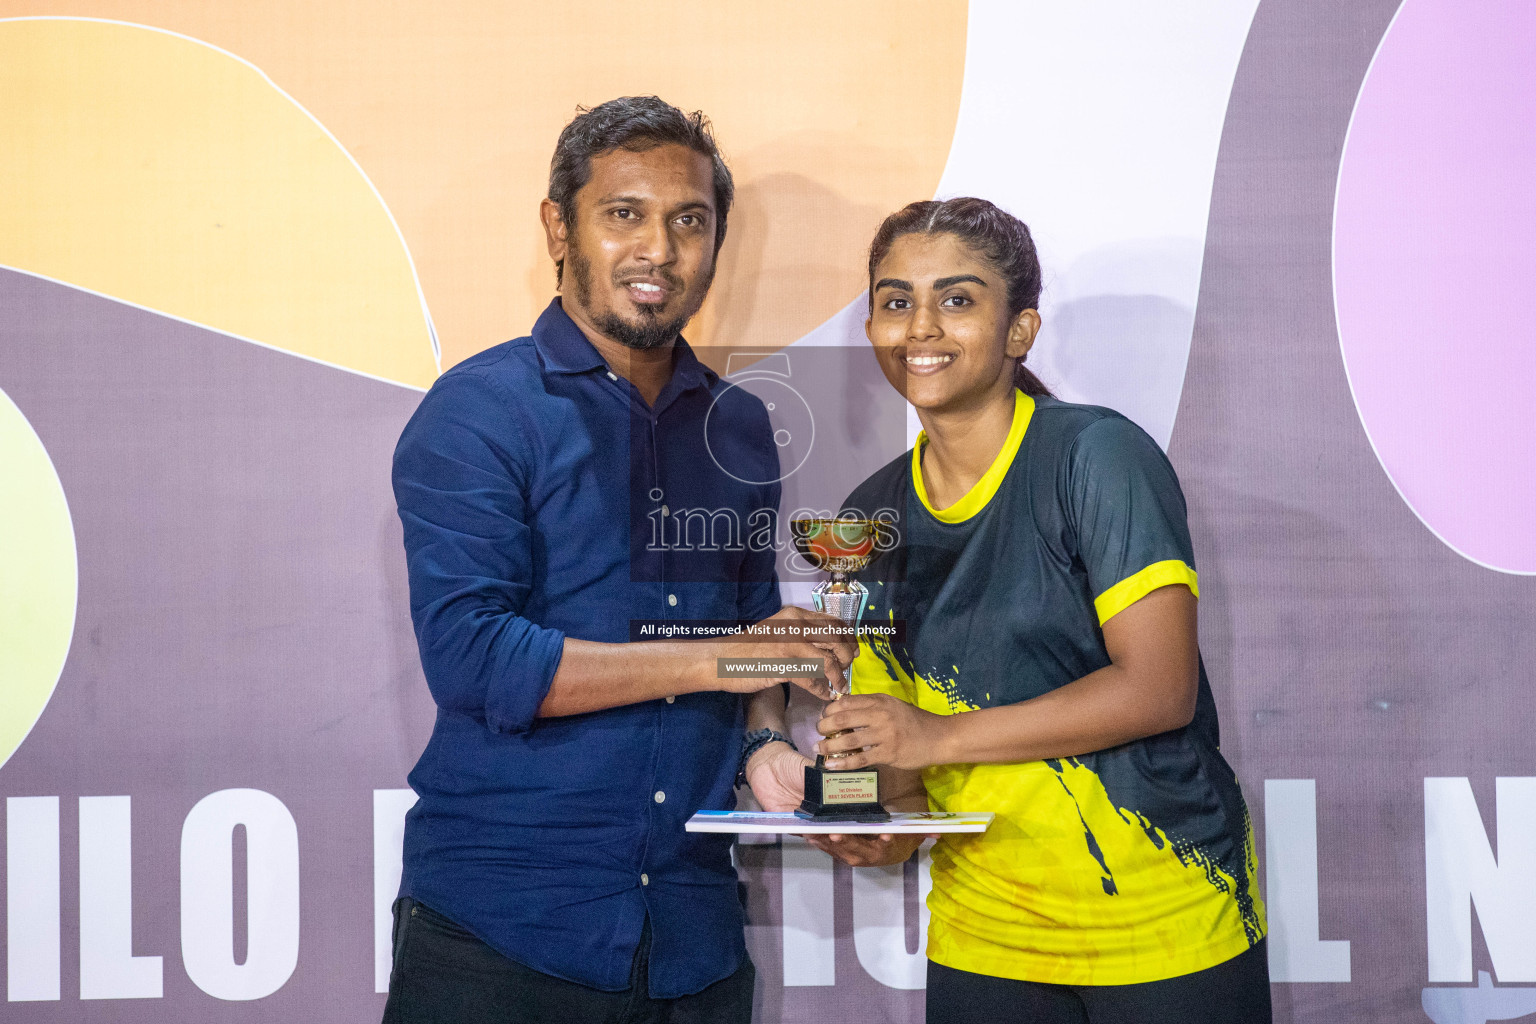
[[842, 598], [839, 547]]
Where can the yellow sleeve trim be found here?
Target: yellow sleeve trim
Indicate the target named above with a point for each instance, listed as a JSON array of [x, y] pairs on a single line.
[[1133, 588], [977, 497]]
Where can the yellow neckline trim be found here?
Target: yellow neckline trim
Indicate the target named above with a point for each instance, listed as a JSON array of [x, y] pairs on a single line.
[[977, 497]]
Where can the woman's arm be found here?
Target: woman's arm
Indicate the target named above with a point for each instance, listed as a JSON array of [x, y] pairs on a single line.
[[1149, 687]]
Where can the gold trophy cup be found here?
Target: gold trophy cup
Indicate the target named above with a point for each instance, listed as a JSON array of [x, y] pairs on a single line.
[[840, 546]]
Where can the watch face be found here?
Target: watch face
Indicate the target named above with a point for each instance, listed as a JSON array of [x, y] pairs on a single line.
[[794, 431]]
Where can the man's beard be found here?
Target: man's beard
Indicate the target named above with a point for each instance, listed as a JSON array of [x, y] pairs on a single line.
[[651, 332]]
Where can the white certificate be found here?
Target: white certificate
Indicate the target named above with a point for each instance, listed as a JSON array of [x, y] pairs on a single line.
[[785, 822]]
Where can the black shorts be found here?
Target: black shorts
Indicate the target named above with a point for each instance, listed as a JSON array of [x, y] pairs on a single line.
[[1234, 992]]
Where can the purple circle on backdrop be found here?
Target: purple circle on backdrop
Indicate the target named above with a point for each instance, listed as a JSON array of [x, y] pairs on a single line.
[[1434, 265]]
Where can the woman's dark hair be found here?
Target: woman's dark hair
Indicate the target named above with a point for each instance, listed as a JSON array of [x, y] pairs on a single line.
[[635, 123], [998, 237]]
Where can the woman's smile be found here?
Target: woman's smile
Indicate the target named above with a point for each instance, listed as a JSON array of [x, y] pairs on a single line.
[[927, 362]]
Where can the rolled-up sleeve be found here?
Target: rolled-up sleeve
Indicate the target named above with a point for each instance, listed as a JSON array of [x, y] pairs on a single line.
[[462, 493]]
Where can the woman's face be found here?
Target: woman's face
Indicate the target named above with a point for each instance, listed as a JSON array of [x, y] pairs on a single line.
[[940, 324]]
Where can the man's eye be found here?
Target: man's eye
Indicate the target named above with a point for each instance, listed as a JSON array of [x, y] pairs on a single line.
[[624, 213], [689, 220]]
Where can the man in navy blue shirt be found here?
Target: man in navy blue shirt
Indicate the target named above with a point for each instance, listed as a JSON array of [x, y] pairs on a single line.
[[547, 874]]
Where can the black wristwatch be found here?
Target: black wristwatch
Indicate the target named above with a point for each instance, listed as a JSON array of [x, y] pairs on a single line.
[[754, 741]]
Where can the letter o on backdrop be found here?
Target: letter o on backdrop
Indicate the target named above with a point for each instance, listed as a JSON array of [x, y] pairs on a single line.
[[208, 897]]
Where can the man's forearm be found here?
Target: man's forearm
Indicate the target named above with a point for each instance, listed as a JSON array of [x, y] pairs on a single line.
[[594, 676], [766, 709]]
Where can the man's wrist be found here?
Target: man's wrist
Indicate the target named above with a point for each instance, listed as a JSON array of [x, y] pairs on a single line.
[[752, 743], [699, 670]]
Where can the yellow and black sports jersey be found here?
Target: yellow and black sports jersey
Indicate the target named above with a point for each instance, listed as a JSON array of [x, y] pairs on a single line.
[[1126, 865]]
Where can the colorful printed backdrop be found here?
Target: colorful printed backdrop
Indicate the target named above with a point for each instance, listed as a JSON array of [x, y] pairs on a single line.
[[1290, 238]]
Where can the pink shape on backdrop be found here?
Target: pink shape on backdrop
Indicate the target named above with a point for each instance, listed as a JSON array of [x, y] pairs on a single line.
[[1434, 239]]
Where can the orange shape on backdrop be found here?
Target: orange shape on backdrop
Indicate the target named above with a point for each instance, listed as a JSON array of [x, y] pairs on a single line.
[[161, 171], [831, 115]]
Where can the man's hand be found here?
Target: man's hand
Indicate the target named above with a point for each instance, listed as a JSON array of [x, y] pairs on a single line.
[[844, 649], [876, 728], [776, 773], [863, 851], [836, 654]]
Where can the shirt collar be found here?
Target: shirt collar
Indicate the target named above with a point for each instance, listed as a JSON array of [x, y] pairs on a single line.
[[564, 349], [561, 345], [687, 371]]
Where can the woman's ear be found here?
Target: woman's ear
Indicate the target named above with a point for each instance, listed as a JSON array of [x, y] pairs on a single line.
[[1021, 333]]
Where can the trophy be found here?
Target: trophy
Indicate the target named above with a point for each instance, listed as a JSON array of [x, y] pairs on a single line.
[[840, 546]]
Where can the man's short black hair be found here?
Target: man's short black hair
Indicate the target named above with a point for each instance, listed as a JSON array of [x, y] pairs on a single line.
[[635, 123]]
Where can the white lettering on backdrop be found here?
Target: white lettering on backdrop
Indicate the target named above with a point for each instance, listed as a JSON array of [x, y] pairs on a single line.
[[108, 968], [208, 898], [32, 898], [1296, 953], [1461, 870]]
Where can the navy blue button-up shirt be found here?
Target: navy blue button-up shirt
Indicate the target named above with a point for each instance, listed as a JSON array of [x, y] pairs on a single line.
[[531, 484]]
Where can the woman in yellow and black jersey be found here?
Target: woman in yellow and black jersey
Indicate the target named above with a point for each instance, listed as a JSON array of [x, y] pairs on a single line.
[[1049, 669]]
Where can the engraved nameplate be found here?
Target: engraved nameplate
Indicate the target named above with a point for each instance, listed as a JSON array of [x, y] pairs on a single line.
[[850, 787]]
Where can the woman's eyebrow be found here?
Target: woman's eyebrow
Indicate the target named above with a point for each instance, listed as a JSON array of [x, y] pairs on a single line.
[[945, 282], [893, 282]]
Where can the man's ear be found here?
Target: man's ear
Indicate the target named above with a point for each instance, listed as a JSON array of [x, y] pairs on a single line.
[[555, 229], [1021, 333]]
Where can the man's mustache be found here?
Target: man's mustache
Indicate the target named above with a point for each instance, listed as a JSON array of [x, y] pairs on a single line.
[[654, 273]]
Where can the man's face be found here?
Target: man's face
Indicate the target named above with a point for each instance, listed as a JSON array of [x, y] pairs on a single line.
[[640, 257]]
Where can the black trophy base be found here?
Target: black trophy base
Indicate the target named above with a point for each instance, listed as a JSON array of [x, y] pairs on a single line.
[[839, 795]]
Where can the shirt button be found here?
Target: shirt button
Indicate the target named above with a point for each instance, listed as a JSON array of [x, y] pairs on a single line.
[[612, 375], [665, 511], [671, 699], [645, 879], [672, 600], [660, 797]]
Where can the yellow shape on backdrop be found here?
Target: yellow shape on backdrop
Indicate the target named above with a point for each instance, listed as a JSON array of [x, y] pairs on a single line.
[[161, 171], [38, 584]]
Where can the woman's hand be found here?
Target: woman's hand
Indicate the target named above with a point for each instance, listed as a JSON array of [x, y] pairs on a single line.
[[776, 773], [877, 728], [903, 791], [863, 851]]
